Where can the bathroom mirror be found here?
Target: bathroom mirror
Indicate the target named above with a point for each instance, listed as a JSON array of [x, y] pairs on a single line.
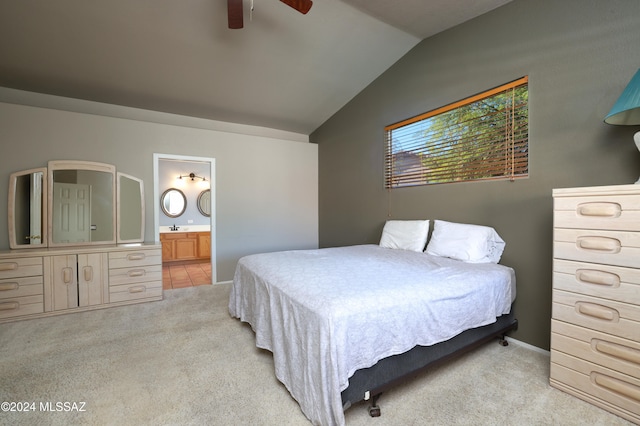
[[173, 202], [28, 209], [204, 202], [82, 203], [130, 214]]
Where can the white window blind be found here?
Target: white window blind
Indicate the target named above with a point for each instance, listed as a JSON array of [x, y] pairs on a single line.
[[485, 136]]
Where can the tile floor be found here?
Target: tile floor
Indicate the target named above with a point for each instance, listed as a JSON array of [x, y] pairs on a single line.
[[185, 274]]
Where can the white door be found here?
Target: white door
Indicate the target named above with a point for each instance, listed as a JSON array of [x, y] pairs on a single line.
[[72, 206]]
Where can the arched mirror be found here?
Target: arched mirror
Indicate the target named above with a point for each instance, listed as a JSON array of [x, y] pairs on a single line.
[[204, 202], [173, 202]]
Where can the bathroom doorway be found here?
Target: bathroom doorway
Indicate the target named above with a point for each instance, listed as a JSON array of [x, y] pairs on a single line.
[[188, 230]]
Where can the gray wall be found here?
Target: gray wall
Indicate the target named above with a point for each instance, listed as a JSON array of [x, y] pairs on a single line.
[[578, 54], [266, 187]]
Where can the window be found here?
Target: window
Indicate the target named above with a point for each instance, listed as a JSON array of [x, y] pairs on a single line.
[[485, 136]]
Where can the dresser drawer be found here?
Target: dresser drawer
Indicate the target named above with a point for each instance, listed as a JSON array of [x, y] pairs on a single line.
[[18, 287], [608, 282], [18, 306], [613, 212], [127, 292], [23, 267], [615, 353], [607, 316], [135, 275], [606, 247], [130, 259], [604, 387]]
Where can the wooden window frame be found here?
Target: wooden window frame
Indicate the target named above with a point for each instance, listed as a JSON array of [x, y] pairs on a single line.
[[501, 154]]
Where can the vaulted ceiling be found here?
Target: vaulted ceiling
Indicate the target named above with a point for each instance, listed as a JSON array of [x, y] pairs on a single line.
[[283, 70]]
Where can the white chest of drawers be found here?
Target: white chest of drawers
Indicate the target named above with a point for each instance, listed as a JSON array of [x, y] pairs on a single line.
[[21, 287], [595, 326], [45, 282], [135, 275]]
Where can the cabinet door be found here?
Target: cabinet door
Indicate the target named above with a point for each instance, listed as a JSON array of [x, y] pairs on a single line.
[[204, 245], [180, 246], [61, 284], [167, 250], [92, 279], [186, 248]]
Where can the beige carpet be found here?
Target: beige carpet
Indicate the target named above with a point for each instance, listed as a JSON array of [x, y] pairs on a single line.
[[186, 361]]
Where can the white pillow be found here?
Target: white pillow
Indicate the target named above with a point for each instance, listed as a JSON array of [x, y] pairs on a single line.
[[405, 234], [469, 243]]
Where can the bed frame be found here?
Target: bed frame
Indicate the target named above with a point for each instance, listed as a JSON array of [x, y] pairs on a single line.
[[369, 383]]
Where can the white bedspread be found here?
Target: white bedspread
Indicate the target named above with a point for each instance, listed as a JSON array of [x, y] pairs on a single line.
[[326, 313]]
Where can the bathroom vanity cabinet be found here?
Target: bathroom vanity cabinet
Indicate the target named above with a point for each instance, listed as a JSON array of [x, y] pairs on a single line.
[[178, 246]]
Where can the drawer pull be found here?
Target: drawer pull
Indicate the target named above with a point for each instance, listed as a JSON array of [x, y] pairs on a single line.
[[603, 244], [616, 385], [593, 276], [9, 286], [67, 275], [597, 311], [599, 209], [138, 289], [618, 351], [88, 273], [135, 256], [136, 273], [9, 306], [8, 266]]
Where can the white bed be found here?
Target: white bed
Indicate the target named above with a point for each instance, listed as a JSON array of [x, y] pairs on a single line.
[[326, 313]]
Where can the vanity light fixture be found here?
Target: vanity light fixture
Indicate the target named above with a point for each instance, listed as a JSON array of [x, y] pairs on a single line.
[[193, 176]]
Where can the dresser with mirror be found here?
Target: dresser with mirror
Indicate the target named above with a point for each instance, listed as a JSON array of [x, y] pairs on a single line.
[[76, 238]]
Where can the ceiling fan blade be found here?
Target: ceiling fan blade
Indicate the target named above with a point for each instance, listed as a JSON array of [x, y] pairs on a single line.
[[301, 6], [234, 13]]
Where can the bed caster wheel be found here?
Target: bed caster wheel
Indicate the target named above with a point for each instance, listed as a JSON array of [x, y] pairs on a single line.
[[374, 411], [503, 342]]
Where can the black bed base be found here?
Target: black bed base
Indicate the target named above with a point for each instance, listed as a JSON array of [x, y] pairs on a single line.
[[369, 383]]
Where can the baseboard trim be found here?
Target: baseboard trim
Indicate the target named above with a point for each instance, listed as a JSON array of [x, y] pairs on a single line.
[[527, 345]]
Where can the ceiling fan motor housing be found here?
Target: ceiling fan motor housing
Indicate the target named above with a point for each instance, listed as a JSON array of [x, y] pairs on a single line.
[[235, 12]]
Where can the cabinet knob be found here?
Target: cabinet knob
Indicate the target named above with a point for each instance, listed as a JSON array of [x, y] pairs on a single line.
[[602, 244], [599, 209], [11, 266], [597, 311], [619, 351], [616, 385], [67, 275], [9, 306], [593, 276], [9, 286], [88, 273]]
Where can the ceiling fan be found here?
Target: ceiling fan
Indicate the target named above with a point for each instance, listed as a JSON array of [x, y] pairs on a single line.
[[234, 10]]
